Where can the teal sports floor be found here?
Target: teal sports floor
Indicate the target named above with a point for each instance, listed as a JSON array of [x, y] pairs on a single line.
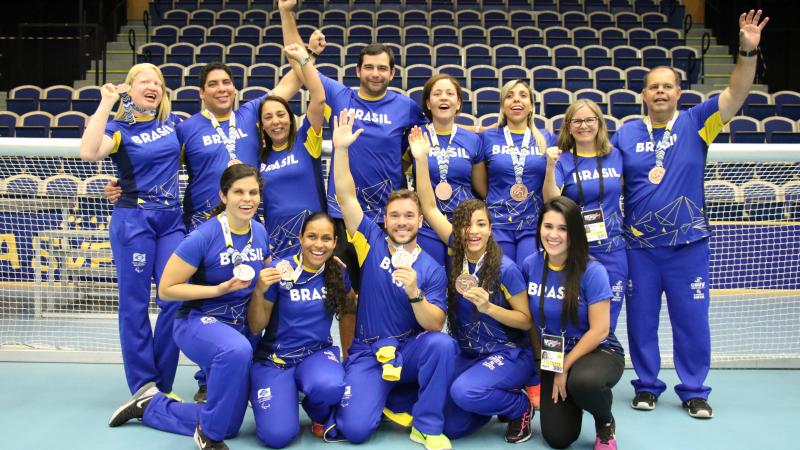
[[66, 406]]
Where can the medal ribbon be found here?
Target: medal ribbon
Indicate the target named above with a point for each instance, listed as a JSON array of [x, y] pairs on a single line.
[[299, 270], [518, 155], [230, 139], [442, 154], [465, 265], [581, 202], [660, 148], [236, 256]]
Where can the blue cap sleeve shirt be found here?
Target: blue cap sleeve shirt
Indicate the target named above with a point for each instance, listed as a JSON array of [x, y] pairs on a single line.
[[206, 157], [507, 213], [300, 324], [204, 248], [147, 156], [566, 173], [376, 156], [594, 288], [479, 334], [464, 153], [293, 189], [383, 307], [670, 213]]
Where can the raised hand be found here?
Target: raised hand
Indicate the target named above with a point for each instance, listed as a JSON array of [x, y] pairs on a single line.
[[108, 93], [553, 153], [407, 276], [419, 142], [266, 278], [479, 297], [317, 42], [286, 5], [750, 29], [343, 135], [295, 52]]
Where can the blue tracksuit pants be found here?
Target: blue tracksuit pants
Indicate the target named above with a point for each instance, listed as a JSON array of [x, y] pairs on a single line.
[[616, 264]]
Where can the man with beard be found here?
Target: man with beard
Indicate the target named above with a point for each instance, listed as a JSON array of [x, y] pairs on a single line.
[[386, 117], [401, 310]]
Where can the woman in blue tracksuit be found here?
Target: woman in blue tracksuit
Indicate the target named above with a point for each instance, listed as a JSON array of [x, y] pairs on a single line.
[[297, 352], [588, 170], [212, 272], [569, 298], [488, 315], [146, 224]]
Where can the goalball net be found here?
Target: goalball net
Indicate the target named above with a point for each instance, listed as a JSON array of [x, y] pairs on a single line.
[[58, 293]]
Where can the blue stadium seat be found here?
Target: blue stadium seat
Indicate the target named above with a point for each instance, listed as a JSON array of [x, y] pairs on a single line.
[[334, 17], [252, 93], [557, 122], [173, 75], [476, 54], [745, 130], [635, 78], [238, 72], [447, 54], [362, 17], [472, 34], [422, 34], [441, 17], [360, 33], [389, 34], [641, 38], [262, 75], [61, 186], [499, 35], [495, 18], [529, 35], [654, 56], [627, 20], [352, 51], [690, 98], [86, 99], [350, 77], [612, 124], [601, 19], [418, 54], [521, 18], [334, 34], [154, 53], [444, 34], [547, 19], [496, 5], [466, 4], [577, 78], [777, 124], [594, 95], [612, 37], [388, 17], [595, 56], [418, 17], [255, 17], [546, 77], [486, 100], [229, 17], [56, 99], [466, 119], [181, 53], [482, 76], [209, 52], [220, 34], [415, 94], [688, 60], [585, 36], [506, 55], [509, 73], [8, 123], [309, 17], [240, 53], [609, 78], [457, 71], [669, 38], [34, 124], [724, 200], [193, 34], [763, 201], [466, 18], [537, 55], [332, 71], [623, 103], [654, 21], [175, 18], [555, 101], [566, 55], [574, 19], [590, 6], [417, 74], [488, 120], [272, 34], [565, 6], [202, 17], [625, 56], [24, 99], [269, 52], [186, 99], [555, 36], [23, 184], [333, 54]]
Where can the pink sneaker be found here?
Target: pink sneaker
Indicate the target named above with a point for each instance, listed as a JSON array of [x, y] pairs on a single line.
[[611, 444], [606, 436]]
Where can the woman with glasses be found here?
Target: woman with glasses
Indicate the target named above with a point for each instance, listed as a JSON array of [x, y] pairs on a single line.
[[588, 170]]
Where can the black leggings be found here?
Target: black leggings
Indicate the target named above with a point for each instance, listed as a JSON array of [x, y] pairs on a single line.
[[347, 253], [589, 384]]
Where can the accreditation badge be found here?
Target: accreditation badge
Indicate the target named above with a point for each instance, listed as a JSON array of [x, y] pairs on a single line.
[[595, 224], [552, 353]]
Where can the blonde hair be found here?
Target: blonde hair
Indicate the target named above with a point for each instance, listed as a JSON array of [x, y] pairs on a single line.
[[164, 108], [566, 142], [503, 121]]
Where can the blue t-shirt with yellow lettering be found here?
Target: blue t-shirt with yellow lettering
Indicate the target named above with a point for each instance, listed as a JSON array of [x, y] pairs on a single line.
[[672, 212], [507, 213], [383, 307], [205, 156], [594, 288], [204, 248], [566, 174], [293, 189], [146, 155], [300, 324], [376, 156], [479, 334]]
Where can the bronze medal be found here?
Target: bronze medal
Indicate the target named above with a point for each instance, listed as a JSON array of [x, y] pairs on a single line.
[[285, 269], [656, 174], [444, 191], [465, 282], [519, 192]]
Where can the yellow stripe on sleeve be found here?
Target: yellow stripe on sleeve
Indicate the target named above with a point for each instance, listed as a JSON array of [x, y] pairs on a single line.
[[313, 142], [327, 111], [503, 289], [711, 128], [361, 245], [117, 137]]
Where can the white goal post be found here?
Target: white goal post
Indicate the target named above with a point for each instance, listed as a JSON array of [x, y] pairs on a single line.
[[58, 295]]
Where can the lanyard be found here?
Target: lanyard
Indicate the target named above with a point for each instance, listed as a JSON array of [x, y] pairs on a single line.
[[230, 139], [578, 179], [236, 256], [541, 303], [299, 270], [661, 147], [518, 155], [441, 154], [465, 265]]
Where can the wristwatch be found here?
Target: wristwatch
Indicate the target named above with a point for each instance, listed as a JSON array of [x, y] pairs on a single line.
[[752, 52], [305, 61], [418, 298]]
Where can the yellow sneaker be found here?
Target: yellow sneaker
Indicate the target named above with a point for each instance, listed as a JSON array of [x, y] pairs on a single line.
[[173, 396], [402, 419], [430, 441]]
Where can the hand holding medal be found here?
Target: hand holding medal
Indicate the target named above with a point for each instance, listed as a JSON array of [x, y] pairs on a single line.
[[266, 278], [478, 296]]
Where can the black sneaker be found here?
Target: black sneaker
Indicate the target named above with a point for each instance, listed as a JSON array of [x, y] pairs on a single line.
[[200, 395], [134, 407], [645, 401], [519, 430], [203, 442], [699, 408]]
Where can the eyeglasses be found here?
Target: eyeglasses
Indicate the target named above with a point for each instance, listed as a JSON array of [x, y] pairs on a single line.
[[589, 121]]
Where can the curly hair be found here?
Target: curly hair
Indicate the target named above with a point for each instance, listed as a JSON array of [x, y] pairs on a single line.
[[489, 273], [336, 301]]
